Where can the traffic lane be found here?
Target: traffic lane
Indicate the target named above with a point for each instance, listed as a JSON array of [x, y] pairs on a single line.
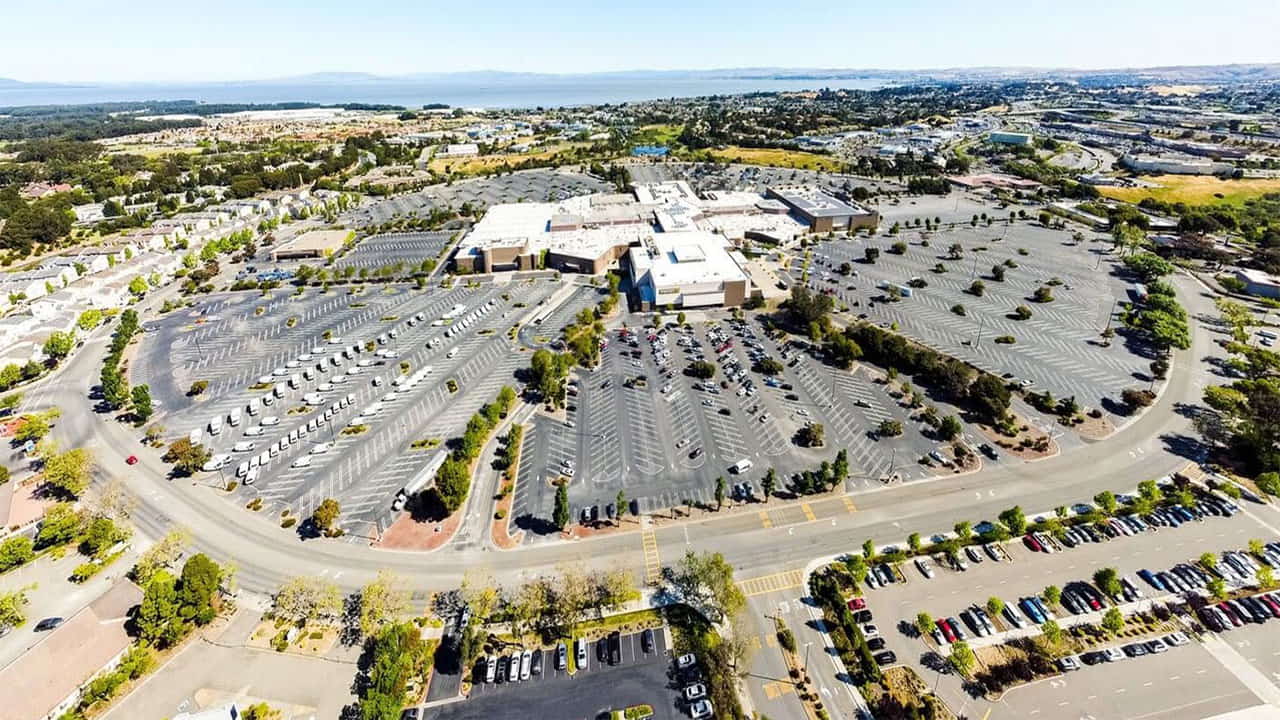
[[768, 680], [1182, 684], [1029, 573]]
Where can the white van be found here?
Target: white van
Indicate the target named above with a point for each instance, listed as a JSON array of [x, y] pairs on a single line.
[[268, 399], [309, 374], [215, 426], [252, 407], [278, 390], [251, 476], [294, 379], [195, 436], [216, 462], [453, 352], [313, 399], [234, 417], [243, 446], [242, 469], [741, 466]]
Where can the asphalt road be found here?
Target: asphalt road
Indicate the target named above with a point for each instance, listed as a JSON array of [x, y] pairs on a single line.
[[1159, 441]]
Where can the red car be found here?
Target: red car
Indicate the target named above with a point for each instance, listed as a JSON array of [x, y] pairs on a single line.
[[131, 460], [945, 627], [1033, 543], [857, 603]]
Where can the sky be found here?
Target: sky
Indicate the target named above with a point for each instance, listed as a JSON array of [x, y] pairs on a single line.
[[181, 40]]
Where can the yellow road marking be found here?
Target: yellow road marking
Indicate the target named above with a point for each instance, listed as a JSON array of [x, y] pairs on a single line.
[[788, 580], [765, 520], [776, 689], [808, 512], [987, 714], [771, 640], [755, 641], [652, 561], [848, 505]]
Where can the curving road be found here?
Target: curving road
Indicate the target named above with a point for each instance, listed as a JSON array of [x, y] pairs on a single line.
[[1161, 440]]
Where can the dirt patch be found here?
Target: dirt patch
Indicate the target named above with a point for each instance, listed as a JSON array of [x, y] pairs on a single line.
[[500, 527], [407, 533], [905, 686], [1029, 443], [1095, 428]]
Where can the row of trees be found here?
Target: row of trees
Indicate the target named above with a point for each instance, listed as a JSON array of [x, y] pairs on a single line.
[[115, 388], [453, 479], [983, 393]]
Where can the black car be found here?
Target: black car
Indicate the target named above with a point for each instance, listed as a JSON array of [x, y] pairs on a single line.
[[886, 658], [410, 714], [501, 675], [695, 453], [48, 624], [602, 650], [615, 648], [611, 511], [876, 643], [862, 616], [536, 666], [646, 641]]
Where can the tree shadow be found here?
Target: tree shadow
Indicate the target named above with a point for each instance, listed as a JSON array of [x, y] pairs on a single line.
[[536, 525], [426, 507]]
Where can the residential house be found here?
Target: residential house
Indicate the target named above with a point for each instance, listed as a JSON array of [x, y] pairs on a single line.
[[46, 681]]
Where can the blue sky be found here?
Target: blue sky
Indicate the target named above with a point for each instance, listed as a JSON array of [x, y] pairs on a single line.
[[175, 40]]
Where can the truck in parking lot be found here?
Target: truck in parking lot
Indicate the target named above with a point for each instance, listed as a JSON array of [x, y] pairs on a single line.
[[418, 481], [215, 425], [741, 466], [234, 417], [278, 390]]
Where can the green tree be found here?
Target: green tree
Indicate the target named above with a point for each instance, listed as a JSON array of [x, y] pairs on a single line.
[[705, 581], [1108, 581], [68, 471], [157, 617], [995, 606], [33, 428], [1052, 632], [142, 408], [326, 515], [13, 607], [1106, 501], [89, 319], [161, 555], [961, 657], [1217, 588], [560, 516], [769, 483], [59, 345], [964, 531], [924, 624], [1014, 520], [1113, 620], [381, 601], [196, 587], [1208, 561], [16, 550], [61, 524], [950, 428], [138, 286], [187, 457], [913, 542], [868, 549]]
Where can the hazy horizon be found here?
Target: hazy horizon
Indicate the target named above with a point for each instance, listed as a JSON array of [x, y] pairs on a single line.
[[149, 41]]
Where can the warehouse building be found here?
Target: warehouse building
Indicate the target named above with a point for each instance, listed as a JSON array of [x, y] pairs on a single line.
[[1009, 138], [312, 244], [823, 212]]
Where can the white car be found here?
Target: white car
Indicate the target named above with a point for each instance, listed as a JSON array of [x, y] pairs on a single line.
[[321, 448], [694, 691], [254, 431], [700, 709], [304, 461], [270, 420]]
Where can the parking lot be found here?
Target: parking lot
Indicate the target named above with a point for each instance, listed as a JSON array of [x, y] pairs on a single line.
[[755, 178], [249, 358], [405, 249], [665, 440], [638, 678], [1058, 349], [523, 186], [1150, 686]]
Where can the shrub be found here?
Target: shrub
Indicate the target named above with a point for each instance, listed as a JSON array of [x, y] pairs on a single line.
[[1005, 340], [288, 522], [1022, 312], [958, 309]]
